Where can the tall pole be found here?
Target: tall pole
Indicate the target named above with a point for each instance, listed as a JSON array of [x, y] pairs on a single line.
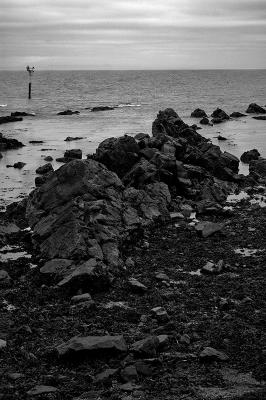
[[30, 71]]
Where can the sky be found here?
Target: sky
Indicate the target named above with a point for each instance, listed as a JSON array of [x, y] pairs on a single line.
[[132, 34]]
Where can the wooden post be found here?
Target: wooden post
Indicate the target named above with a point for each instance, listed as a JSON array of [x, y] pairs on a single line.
[[30, 71]]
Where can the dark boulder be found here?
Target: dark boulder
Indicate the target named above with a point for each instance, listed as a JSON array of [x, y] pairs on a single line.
[[258, 167], [198, 113], [260, 118], [102, 108], [36, 141], [19, 165], [237, 114], [73, 154], [219, 116], [22, 114], [247, 156], [9, 118], [9, 144], [44, 169], [219, 137], [68, 112], [70, 138], [48, 158], [254, 108], [205, 121], [118, 154], [40, 180]]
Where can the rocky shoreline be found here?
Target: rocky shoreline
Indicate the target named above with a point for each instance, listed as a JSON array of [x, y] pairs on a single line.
[[135, 278]]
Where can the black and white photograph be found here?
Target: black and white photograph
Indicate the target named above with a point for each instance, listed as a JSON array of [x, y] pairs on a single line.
[[132, 200]]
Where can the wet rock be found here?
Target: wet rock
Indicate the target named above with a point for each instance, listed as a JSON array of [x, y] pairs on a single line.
[[254, 108], [19, 165], [209, 354], [9, 144], [118, 154], [219, 137], [39, 390], [146, 347], [22, 114], [136, 286], [247, 156], [129, 374], [198, 113], [48, 158], [9, 118], [40, 180], [44, 169], [71, 138], [68, 112], [204, 121], [237, 114], [36, 141], [258, 167], [219, 114], [207, 228], [260, 118], [98, 345], [73, 153], [5, 279], [102, 108]]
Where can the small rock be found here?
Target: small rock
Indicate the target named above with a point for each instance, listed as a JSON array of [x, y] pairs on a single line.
[[185, 339], [70, 138], [19, 165], [163, 341], [129, 387], [73, 153], [129, 374], [210, 354], [161, 276], [106, 375], [198, 113], [3, 344], [68, 112], [15, 376], [130, 263], [80, 298], [5, 279], [204, 121], [207, 228], [237, 114], [249, 155], [146, 347], [44, 169], [48, 158], [160, 314], [137, 286], [254, 108], [209, 268]]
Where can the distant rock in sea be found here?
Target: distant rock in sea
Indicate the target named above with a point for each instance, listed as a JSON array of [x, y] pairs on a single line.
[[237, 114], [68, 112], [9, 118], [254, 108]]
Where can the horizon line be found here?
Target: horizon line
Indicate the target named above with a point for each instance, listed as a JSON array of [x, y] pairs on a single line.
[[138, 69]]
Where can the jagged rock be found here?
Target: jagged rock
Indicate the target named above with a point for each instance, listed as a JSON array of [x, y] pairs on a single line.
[[57, 267], [219, 115], [237, 114], [39, 390], [129, 374], [260, 118], [89, 275], [8, 144], [68, 112], [198, 113], [9, 118], [207, 228], [258, 167], [210, 354], [141, 173], [146, 347], [118, 154], [44, 169], [247, 156], [102, 108], [137, 286], [98, 345], [73, 153], [254, 108], [70, 138], [40, 180]]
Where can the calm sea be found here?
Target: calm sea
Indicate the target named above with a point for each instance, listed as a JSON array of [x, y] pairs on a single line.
[[139, 94]]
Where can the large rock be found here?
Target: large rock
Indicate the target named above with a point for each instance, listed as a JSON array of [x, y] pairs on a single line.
[[258, 167], [73, 153], [254, 108], [249, 155], [9, 118], [218, 116], [118, 154], [96, 345], [198, 113], [9, 144]]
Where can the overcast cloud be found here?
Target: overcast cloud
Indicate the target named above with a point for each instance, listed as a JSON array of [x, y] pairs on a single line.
[[127, 34]]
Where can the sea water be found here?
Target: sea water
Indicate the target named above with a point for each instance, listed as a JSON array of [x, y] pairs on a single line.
[[139, 96]]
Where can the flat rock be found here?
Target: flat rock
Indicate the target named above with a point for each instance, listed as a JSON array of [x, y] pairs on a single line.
[[81, 298], [260, 118], [100, 345], [237, 114], [211, 354], [57, 266], [41, 390], [68, 112], [70, 138], [207, 228], [146, 347], [137, 286]]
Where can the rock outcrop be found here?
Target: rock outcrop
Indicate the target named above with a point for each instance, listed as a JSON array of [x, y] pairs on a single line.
[[198, 113], [254, 108], [9, 144], [9, 118], [249, 155], [219, 116]]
